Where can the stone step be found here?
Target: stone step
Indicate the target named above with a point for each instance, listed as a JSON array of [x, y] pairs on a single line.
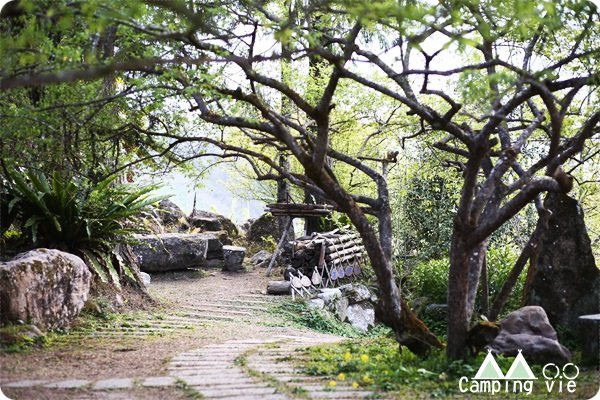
[[219, 393], [216, 310], [229, 306]]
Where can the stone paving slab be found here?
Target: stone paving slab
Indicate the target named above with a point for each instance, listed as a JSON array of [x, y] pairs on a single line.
[[159, 381], [68, 384], [115, 383]]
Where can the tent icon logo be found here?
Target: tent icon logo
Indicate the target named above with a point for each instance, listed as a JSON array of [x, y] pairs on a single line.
[[490, 378]]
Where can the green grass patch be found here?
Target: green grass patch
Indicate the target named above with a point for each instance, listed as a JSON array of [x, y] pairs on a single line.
[[379, 365], [298, 314]]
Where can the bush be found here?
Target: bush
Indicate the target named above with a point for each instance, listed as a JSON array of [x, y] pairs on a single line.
[[429, 279], [73, 215]]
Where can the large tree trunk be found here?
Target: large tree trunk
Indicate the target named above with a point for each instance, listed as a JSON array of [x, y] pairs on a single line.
[[458, 293]]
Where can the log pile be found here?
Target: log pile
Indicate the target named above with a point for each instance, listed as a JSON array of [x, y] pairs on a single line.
[[335, 255]]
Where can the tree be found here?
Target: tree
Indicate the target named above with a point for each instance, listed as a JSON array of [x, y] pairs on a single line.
[[205, 50], [516, 107]]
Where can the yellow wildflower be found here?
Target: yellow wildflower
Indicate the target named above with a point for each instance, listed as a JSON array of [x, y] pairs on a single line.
[[332, 383], [364, 358], [341, 376], [347, 356], [367, 379], [355, 385]]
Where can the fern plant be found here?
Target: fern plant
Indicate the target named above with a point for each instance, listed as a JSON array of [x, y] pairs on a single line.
[[72, 215]]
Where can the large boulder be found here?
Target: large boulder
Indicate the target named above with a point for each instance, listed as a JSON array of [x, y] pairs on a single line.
[[171, 216], [261, 259], [528, 329], [566, 280], [45, 287], [207, 221], [361, 316], [262, 228], [171, 251]]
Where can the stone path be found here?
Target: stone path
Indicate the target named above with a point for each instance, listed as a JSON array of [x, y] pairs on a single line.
[[244, 369]]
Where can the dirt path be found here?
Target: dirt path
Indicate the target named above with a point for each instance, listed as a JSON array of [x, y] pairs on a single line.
[[215, 338]]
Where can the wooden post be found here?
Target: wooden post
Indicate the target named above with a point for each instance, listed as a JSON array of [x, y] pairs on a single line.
[[279, 246]]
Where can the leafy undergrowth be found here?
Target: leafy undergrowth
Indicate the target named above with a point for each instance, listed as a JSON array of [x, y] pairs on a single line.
[[377, 364], [298, 314]]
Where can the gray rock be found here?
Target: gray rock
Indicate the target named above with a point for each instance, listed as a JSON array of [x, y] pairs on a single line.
[[340, 308], [216, 241], [261, 259], [171, 216], [212, 222], [361, 316], [566, 280], [146, 278], [46, 287], [265, 226], [317, 303], [356, 293], [170, 251], [233, 258], [329, 295], [528, 329]]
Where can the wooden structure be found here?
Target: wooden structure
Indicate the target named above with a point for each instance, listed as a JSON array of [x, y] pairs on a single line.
[[293, 210], [330, 259]]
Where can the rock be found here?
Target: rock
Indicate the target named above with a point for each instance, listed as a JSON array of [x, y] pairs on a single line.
[[264, 227], [340, 308], [146, 278], [361, 316], [528, 329], [566, 281], [170, 251], [329, 295], [355, 293], [171, 216], [212, 222], [45, 287], [245, 227], [261, 259], [216, 240], [233, 258], [317, 304]]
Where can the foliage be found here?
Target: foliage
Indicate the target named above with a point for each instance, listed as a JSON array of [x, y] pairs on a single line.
[[429, 279], [299, 314], [424, 206], [379, 364], [89, 220]]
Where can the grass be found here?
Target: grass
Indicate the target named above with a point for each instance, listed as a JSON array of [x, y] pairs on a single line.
[[188, 391], [299, 315], [378, 364]]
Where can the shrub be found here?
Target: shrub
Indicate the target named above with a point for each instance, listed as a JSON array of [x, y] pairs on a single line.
[[429, 279], [75, 216]]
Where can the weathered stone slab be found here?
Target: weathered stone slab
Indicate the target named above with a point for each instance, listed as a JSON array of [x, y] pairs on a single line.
[[159, 381], [233, 258], [116, 383], [170, 251]]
